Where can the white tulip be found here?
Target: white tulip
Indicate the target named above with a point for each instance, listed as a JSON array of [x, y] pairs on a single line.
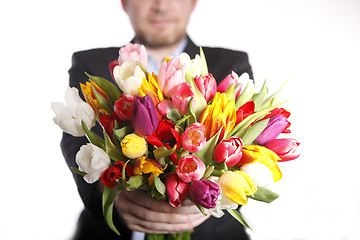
[[244, 80], [260, 173], [129, 77], [222, 203], [192, 65], [68, 117], [92, 160]]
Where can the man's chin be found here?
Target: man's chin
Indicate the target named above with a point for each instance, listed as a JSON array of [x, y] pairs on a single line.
[[161, 41]]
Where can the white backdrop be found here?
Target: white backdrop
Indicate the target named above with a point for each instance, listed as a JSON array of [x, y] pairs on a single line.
[[315, 43]]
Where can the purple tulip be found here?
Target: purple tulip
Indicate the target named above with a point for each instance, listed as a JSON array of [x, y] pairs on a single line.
[[144, 118], [204, 192], [276, 125]]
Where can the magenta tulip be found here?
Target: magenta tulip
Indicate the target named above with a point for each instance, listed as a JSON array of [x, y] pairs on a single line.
[[207, 86], [273, 129], [176, 189], [144, 118], [193, 139], [228, 151], [204, 192], [286, 149], [190, 168]]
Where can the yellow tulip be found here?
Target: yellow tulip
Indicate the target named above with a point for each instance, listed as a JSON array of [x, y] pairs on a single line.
[[133, 146], [151, 87], [88, 91], [237, 185], [255, 153], [221, 113], [143, 165]]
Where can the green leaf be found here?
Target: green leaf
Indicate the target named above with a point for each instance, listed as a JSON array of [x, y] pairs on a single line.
[[270, 100], [258, 98], [108, 199], [110, 89], [244, 97], [237, 216], [180, 121], [204, 68], [114, 152], [206, 153], [161, 153], [122, 132], [104, 103], [174, 115], [135, 181], [123, 174], [78, 171], [197, 103], [201, 209], [160, 186], [230, 92], [209, 170], [250, 119], [254, 131], [93, 137], [264, 194]]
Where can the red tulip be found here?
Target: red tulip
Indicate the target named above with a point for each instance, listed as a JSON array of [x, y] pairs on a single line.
[[244, 111], [110, 175], [108, 121], [286, 149], [166, 135], [123, 106], [228, 151], [176, 189]]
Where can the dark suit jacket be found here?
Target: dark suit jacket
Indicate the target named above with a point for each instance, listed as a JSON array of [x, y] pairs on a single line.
[[91, 225]]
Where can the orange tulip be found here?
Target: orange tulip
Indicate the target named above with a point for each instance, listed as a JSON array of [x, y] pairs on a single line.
[[221, 113], [88, 91]]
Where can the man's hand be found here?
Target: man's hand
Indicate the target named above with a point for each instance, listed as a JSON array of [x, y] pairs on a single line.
[[146, 214]]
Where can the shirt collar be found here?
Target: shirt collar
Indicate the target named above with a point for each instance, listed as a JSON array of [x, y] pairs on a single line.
[[154, 66]]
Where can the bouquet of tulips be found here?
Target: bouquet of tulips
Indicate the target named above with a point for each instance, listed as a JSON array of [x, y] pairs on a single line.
[[178, 134]]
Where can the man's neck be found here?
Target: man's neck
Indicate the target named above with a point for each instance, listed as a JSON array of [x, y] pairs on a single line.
[[160, 53]]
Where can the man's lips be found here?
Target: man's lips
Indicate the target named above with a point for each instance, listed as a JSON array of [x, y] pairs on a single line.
[[160, 22]]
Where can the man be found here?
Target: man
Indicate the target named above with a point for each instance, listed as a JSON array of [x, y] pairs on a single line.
[[160, 25]]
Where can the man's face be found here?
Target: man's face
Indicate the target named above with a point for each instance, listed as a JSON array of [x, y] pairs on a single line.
[[159, 23]]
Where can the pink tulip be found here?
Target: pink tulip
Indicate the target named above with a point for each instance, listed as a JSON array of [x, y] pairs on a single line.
[[123, 106], [176, 189], [182, 97], [135, 52], [193, 139], [190, 168], [226, 82], [228, 151], [165, 106], [207, 86], [171, 74], [286, 149]]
